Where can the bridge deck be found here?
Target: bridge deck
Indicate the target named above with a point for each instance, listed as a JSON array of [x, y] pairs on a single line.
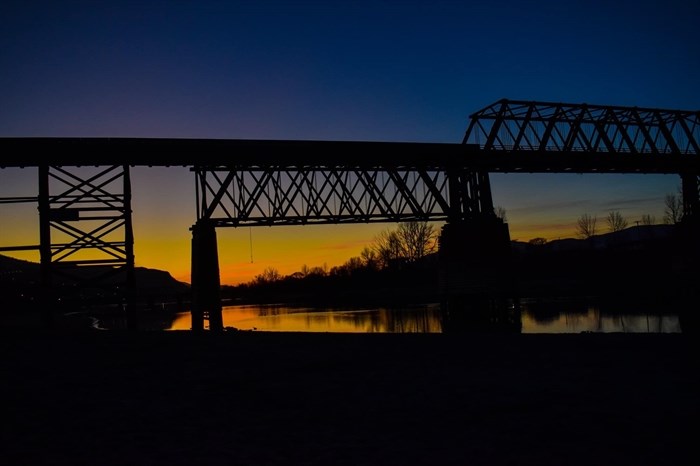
[[319, 155]]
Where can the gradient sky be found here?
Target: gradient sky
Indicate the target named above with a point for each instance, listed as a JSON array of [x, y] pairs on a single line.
[[342, 70]]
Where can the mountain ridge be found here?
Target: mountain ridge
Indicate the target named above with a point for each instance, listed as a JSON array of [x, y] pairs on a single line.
[[26, 272]]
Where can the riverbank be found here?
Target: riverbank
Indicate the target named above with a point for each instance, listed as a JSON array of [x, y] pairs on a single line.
[[255, 398]]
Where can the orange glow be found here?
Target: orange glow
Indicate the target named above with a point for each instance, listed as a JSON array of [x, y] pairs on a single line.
[[165, 244], [290, 319], [287, 249]]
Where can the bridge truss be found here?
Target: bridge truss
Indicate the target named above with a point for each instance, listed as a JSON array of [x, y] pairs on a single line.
[[511, 125], [609, 133], [85, 220], [299, 195], [507, 136]]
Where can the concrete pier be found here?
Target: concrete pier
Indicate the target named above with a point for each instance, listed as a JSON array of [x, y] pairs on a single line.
[[206, 282], [477, 286]]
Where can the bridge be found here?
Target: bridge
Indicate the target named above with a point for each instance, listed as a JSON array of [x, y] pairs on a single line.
[[295, 182]]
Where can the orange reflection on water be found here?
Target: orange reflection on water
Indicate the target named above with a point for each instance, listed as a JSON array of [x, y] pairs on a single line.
[[425, 319], [561, 318]]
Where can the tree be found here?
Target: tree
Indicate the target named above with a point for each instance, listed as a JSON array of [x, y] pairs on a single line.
[[648, 219], [417, 239], [387, 246], [410, 242], [616, 221], [369, 258], [538, 241], [586, 226], [500, 212], [269, 275], [673, 213]]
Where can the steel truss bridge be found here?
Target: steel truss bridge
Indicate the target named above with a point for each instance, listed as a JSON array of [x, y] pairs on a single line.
[[295, 182]]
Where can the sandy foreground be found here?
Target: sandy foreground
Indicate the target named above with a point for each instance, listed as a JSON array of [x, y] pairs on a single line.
[[254, 398]]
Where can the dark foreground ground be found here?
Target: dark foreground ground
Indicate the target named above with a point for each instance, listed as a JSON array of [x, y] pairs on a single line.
[[177, 398]]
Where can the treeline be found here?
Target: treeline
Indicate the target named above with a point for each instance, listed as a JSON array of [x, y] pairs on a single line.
[[399, 265], [587, 225]]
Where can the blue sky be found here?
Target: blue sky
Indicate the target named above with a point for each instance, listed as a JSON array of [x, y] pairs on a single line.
[[379, 70]]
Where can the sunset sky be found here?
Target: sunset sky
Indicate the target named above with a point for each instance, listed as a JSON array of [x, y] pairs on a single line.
[[403, 71]]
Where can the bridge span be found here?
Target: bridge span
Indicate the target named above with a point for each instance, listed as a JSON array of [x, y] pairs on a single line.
[[243, 182]]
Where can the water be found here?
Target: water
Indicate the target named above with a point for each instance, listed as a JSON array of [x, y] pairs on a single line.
[[560, 317]]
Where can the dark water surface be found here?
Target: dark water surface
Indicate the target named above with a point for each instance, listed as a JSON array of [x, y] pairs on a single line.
[[556, 317]]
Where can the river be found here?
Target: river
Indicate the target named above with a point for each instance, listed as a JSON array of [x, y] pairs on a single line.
[[557, 317]]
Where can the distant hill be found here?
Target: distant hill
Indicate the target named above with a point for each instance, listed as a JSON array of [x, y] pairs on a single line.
[[645, 260], [19, 273], [636, 237]]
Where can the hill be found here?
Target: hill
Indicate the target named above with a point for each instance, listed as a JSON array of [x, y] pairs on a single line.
[[23, 273], [644, 261], [20, 285]]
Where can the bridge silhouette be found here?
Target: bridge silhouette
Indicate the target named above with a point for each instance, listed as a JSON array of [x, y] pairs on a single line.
[[243, 182]]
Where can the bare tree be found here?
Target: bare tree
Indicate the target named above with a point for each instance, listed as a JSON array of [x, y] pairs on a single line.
[[388, 248], [673, 213], [500, 212], [369, 258], [417, 239], [269, 275], [586, 226], [410, 242], [648, 219], [616, 221]]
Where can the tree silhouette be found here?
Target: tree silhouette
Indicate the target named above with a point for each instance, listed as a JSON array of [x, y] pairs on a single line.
[[369, 258], [410, 242], [648, 219], [387, 246], [673, 213], [585, 227], [500, 212], [616, 221], [269, 275], [417, 239]]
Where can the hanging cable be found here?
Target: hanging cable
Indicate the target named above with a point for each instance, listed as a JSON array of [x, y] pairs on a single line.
[[250, 231]]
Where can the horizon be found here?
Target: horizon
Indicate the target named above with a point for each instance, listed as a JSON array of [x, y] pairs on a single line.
[[575, 237]]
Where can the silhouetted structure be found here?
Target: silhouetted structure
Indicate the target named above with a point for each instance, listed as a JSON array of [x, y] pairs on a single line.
[[274, 182]]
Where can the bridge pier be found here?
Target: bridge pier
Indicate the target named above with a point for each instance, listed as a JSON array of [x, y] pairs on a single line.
[[689, 229], [476, 280], [206, 283]]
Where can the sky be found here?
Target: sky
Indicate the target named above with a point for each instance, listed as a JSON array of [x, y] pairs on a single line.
[[400, 71]]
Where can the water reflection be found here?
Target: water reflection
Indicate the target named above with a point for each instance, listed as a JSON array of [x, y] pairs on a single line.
[[591, 319], [578, 318], [281, 318], [536, 318]]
